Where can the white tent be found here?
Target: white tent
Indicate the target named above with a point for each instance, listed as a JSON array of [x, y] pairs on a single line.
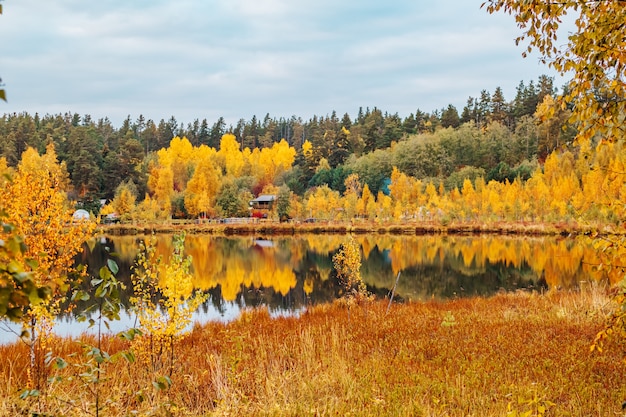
[[80, 214]]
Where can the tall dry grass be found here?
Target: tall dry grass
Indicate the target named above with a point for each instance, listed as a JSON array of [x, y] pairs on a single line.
[[467, 357]]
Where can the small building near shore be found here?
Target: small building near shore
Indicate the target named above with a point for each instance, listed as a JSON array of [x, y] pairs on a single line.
[[263, 202]]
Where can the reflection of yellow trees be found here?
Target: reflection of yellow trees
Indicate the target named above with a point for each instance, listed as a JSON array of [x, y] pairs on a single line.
[[323, 244], [207, 260], [561, 262], [126, 248], [242, 266], [237, 263]]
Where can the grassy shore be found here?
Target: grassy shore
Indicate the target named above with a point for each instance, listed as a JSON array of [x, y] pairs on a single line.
[[511, 353]]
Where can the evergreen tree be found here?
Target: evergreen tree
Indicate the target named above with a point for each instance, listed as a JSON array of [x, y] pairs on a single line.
[[450, 117], [499, 111]]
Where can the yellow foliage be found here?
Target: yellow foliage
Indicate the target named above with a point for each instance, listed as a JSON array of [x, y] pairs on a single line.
[[231, 155], [202, 189], [323, 203], [347, 263], [307, 149], [36, 204]]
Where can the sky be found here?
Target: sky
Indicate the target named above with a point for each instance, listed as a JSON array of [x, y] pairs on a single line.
[[197, 59]]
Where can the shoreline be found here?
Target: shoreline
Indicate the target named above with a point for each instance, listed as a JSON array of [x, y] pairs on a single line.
[[329, 227]]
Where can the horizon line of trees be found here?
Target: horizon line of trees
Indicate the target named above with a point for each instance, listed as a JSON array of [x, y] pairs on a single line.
[[491, 138]]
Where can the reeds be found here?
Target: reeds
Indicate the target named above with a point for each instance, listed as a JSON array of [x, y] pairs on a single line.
[[466, 357]]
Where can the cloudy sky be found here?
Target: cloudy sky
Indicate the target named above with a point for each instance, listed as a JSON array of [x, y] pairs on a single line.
[[238, 58]]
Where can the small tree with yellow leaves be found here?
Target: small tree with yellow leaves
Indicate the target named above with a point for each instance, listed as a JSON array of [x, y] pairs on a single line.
[[347, 263], [36, 204], [164, 301]]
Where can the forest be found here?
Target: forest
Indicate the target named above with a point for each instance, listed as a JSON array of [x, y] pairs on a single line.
[[546, 156], [376, 166]]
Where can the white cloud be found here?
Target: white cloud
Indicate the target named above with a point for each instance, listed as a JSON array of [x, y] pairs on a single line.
[[238, 58]]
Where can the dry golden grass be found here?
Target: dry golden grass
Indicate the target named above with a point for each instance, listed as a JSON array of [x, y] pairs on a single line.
[[467, 357]]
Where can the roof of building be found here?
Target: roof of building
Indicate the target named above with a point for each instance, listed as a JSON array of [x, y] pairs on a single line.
[[264, 198]]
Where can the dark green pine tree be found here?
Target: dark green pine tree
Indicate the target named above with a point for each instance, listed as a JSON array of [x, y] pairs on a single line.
[[499, 109], [450, 117]]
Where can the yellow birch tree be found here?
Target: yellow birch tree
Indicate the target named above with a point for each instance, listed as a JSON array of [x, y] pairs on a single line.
[[36, 204]]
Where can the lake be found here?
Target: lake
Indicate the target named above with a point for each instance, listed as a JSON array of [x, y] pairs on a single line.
[[287, 274]]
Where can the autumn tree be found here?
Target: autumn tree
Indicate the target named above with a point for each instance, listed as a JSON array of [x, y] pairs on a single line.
[[366, 206], [161, 183], [351, 195], [231, 155], [179, 158], [124, 201], [36, 204], [322, 203], [164, 299], [202, 189]]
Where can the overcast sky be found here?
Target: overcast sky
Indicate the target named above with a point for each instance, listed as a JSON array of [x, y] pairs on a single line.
[[238, 58]]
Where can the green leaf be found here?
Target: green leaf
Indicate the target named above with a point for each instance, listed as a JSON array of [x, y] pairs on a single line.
[[105, 273], [80, 296], [162, 383], [59, 363], [33, 297], [113, 266], [14, 267], [101, 292], [129, 356], [29, 393], [3, 95], [130, 334]]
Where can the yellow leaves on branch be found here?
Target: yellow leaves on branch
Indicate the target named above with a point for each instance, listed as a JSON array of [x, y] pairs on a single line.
[[594, 55], [347, 263]]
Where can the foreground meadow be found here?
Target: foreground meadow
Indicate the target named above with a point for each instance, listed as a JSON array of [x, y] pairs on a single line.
[[510, 354]]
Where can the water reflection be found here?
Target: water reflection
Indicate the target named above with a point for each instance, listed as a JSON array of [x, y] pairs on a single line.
[[287, 273]]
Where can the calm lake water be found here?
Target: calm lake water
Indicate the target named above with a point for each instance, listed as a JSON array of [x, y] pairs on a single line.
[[286, 274]]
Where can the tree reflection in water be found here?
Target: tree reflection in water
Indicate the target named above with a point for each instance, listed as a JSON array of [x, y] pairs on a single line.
[[288, 273]]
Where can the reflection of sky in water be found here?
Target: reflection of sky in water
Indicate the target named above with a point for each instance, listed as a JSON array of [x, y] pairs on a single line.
[[68, 327]]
